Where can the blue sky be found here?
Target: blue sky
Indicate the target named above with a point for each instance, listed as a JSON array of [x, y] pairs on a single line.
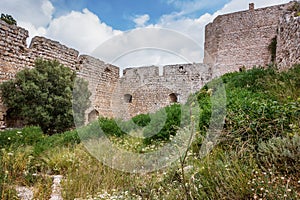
[[119, 13], [141, 30]]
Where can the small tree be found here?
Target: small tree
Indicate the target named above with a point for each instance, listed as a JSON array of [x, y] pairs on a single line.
[[43, 96], [8, 19]]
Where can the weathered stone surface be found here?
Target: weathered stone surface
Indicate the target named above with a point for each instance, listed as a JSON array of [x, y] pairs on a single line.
[[288, 41], [241, 39], [149, 91], [231, 42]]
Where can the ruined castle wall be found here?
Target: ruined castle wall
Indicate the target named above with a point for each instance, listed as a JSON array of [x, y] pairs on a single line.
[[41, 47], [15, 56], [242, 38], [102, 80], [13, 51], [142, 90], [288, 40]]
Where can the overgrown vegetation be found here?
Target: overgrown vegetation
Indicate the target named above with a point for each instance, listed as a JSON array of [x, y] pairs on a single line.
[[43, 96], [257, 156], [8, 19]]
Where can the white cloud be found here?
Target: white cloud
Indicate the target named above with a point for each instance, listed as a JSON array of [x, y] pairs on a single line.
[[238, 5], [33, 15], [85, 32], [195, 28], [81, 30], [148, 46], [141, 20], [37, 12]]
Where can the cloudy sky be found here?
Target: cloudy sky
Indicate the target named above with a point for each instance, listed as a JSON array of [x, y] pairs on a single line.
[[126, 32]]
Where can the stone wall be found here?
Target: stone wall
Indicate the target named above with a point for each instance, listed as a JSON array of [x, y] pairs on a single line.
[[102, 80], [41, 47], [15, 56], [142, 90], [242, 38], [231, 42], [146, 89], [288, 40], [13, 52]]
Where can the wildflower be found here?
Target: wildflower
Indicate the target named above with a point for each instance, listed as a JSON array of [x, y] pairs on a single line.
[[289, 190], [10, 154], [8, 138], [282, 178]]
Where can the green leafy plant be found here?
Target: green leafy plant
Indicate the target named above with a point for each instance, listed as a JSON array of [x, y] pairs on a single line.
[[8, 19], [282, 153], [43, 96]]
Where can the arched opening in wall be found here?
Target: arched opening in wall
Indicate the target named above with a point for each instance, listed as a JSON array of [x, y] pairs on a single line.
[[128, 98], [93, 115], [173, 97]]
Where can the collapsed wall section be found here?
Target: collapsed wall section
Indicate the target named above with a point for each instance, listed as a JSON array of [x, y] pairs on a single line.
[[241, 39]]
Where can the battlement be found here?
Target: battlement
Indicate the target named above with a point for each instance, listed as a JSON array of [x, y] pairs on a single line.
[[232, 41]]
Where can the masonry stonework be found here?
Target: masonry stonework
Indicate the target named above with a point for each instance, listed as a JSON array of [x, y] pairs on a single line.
[[232, 41], [288, 41], [241, 39], [149, 91]]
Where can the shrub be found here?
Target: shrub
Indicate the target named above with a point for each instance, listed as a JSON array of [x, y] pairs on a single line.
[[142, 120], [283, 153], [164, 123], [43, 96], [8, 19], [110, 127]]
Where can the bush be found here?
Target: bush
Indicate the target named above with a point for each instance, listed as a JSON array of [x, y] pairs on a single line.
[[23, 137], [142, 120], [8, 19], [281, 153], [43, 96], [110, 127]]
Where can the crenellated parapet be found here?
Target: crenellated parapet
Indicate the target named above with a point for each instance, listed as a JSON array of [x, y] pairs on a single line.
[[232, 41]]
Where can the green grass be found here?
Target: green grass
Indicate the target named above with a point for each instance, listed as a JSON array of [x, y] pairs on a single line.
[[257, 155]]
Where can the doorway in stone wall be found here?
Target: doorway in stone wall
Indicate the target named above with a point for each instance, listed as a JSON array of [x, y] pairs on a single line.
[[173, 97], [93, 115], [128, 98]]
